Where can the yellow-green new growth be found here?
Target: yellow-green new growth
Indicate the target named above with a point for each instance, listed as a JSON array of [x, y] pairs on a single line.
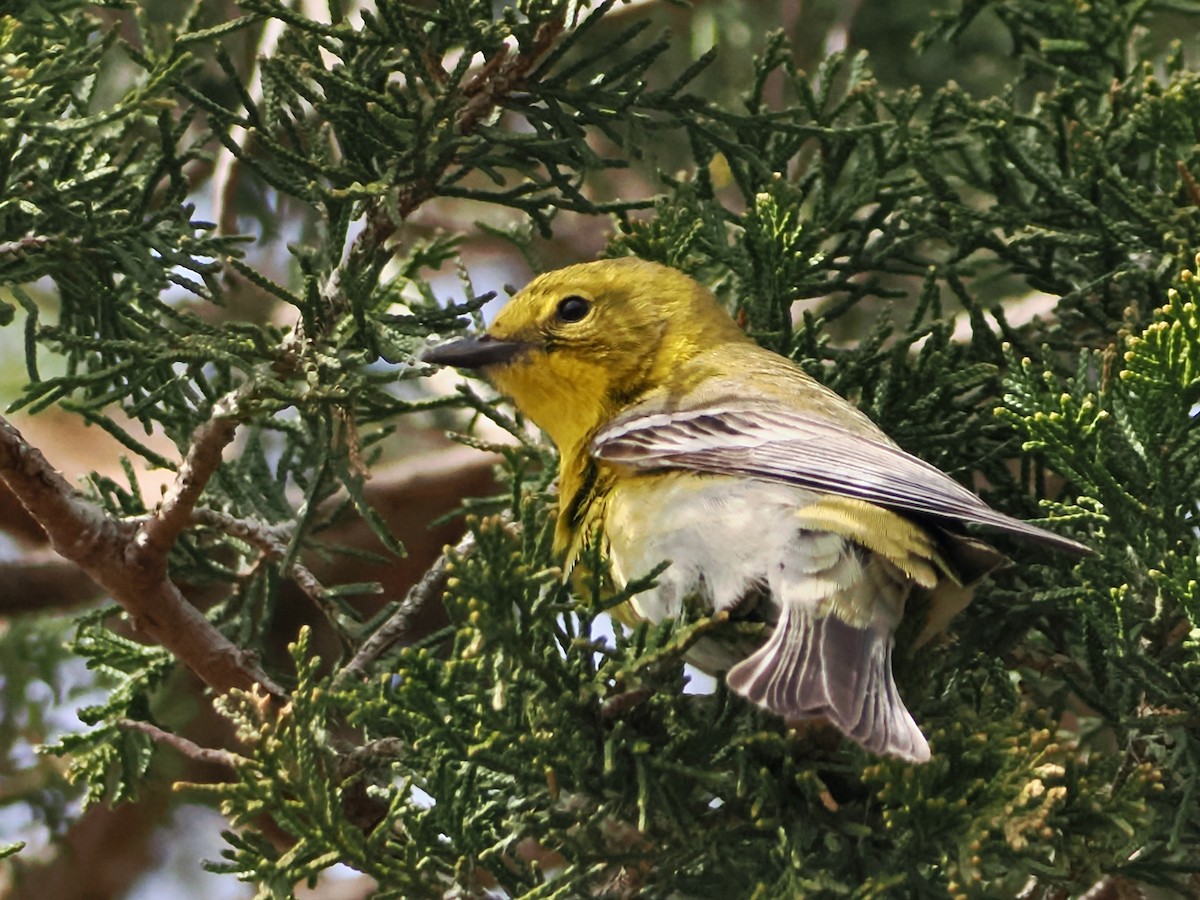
[[771, 497]]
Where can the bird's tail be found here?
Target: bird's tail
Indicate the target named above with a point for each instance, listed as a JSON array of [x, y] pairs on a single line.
[[822, 666]]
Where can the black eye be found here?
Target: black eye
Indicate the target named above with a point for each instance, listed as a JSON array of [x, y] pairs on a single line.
[[572, 309]]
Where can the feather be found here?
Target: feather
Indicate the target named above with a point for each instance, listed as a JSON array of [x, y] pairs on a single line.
[[821, 666], [794, 447]]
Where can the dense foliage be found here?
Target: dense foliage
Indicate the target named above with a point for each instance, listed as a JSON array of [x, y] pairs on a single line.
[[893, 239]]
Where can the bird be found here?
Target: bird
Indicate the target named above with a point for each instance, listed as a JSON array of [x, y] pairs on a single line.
[[768, 497]]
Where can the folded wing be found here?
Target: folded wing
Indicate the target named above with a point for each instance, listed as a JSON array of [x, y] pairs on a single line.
[[780, 444]]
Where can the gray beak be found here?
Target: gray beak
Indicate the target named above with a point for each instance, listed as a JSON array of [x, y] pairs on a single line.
[[472, 352]]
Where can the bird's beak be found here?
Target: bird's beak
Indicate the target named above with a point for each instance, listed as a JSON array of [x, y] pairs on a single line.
[[473, 352]]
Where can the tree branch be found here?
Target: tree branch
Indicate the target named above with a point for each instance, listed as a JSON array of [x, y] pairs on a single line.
[[502, 75], [101, 545], [182, 745], [158, 534], [431, 587], [270, 540]]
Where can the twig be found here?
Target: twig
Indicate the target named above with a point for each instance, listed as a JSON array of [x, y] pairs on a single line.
[[502, 75], [616, 706], [187, 748], [271, 540], [158, 534], [19, 247], [431, 587], [98, 543]]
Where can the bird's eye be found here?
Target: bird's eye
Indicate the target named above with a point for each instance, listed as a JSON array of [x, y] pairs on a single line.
[[573, 308]]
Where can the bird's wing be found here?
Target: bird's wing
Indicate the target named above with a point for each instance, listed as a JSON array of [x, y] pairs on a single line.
[[781, 444]]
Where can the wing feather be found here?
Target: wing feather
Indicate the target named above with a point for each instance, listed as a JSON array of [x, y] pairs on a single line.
[[780, 444]]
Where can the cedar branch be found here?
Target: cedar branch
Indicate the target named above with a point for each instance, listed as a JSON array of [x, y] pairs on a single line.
[[159, 532], [270, 540], [101, 545], [187, 748], [431, 587]]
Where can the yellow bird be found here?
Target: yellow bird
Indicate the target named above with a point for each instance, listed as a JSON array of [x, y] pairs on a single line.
[[771, 497]]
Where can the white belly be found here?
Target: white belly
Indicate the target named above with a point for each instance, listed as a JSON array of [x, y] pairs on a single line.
[[833, 605], [726, 539]]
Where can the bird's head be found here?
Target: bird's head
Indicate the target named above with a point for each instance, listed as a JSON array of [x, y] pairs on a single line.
[[579, 344]]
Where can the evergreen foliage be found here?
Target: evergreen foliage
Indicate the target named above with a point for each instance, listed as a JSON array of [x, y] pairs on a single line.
[[877, 234]]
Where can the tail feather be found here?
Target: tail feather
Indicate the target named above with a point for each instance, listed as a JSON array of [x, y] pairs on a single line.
[[823, 666]]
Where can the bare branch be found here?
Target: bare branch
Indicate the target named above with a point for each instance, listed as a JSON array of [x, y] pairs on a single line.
[[431, 587], [271, 540], [98, 543], [158, 533], [19, 247], [187, 748]]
